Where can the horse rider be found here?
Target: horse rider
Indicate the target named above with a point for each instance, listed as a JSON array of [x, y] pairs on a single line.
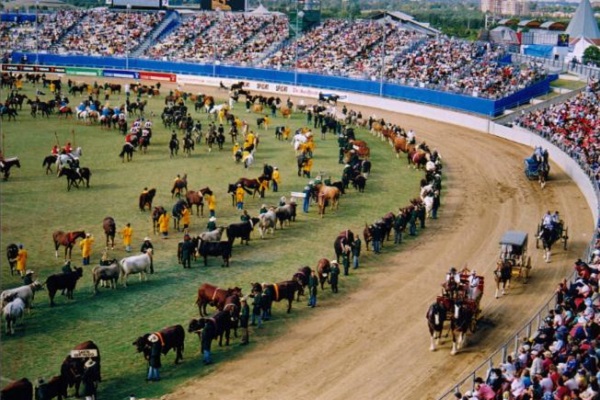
[[547, 221], [452, 283], [55, 150], [538, 154], [555, 218], [411, 137], [68, 149]]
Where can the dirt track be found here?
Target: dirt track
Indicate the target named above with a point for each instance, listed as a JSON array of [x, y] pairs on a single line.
[[374, 343]]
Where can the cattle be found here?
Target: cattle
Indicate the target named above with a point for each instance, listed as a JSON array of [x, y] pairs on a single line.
[[277, 292], [12, 312], [109, 273], [241, 230], [302, 278], [216, 297], [218, 249], [212, 236], [18, 390], [72, 368], [139, 264], [12, 251], [222, 325], [359, 183], [55, 387], [286, 213], [171, 337], [25, 293], [340, 185], [233, 306], [66, 281], [267, 221]]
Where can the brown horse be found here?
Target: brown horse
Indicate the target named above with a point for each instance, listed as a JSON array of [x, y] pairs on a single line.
[[345, 238], [323, 270], [327, 195], [253, 184], [197, 199], [110, 229], [178, 186], [361, 147], [418, 158], [156, 213], [502, 275], [146, 199], [401, 144], [66, 239]]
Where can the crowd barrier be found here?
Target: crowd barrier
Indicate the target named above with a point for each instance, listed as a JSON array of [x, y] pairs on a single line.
[[483, 125], [460, 102]]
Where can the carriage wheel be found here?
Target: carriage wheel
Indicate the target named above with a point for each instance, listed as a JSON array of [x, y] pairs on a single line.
[[565, 238], [526, 269], [473, 326]]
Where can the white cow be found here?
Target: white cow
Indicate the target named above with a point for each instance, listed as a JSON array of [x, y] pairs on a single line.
[[25, 293], [267, 221], [212, 236], [12, 312], [139, 264]]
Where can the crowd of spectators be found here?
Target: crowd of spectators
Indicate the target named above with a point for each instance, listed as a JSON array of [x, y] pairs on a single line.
[[103, 32], [458, 66], [573, 125], [28, 36], [230, 38], [336, 47]]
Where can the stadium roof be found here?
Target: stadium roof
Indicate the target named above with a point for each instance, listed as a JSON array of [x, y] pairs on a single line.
[[408, 22], [583, 24]]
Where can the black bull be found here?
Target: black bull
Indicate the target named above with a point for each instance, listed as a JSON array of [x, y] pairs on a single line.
[[215, 249], [172, 337], [72, 368], [222, 323], [280, 291]]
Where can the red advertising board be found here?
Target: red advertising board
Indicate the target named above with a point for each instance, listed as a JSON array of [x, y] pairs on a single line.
[[158, 76]]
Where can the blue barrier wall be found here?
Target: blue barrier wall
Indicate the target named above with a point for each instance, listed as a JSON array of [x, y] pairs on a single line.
[[11, 17], [463, 103]]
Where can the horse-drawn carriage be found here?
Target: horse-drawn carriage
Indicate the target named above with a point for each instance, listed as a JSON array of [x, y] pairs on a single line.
[[513, 251], [537, 166], [558, 231], [459, 305]]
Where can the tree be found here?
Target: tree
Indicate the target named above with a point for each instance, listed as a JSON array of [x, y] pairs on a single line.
[[592, 55]]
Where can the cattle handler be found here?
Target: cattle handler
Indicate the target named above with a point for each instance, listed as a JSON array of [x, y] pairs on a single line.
[[244, 320]]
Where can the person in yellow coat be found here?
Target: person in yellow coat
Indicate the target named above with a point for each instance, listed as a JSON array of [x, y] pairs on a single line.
[[127, 233], [86, 248], [237, 152], [185, 219], [21, 260], [212, 204], [249, 140], [163, 224], [239, 197], [307, 167], [264, 185], [275, 179]]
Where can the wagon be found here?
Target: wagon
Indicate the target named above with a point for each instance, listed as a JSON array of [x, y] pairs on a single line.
[[533, 168], [513, 249], [473, 303], [560, 232]]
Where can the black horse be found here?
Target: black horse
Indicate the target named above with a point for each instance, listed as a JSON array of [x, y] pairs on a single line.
[[188, 145], [12, 250], [146, 199], [177, 212], [174, 146], [74, 178], [48, 162], [7, 164], [436, 315], [127, 150]]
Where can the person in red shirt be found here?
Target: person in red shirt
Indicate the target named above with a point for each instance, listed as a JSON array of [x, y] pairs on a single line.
[[484, 391]]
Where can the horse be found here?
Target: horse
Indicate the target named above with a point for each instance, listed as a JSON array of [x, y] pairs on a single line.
[[74, 178], [178, 186], [502, 275], [548, 237], [460, 323], [253, 184], [128, 150], [177, 212], [110, 229], [174, 146], [196, 198], [418, 158], [401, 144], [146, 199], [66, 239], [436, 316], [156, 213], [543, 172], [48, 161], [70, 159], [345, 238], [323, 270], [12, 251], [7, 164], [10, 111], [65, 111], [188, 145]]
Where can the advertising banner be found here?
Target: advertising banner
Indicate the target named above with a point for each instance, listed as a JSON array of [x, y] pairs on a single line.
[[158, 76], [84, 71], [119, 73]]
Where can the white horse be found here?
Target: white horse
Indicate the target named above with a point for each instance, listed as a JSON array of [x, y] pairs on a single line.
[[139, 264], [66, 159], [248, 159]]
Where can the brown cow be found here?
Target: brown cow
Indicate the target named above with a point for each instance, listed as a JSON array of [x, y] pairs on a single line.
[[171, 337], [216, 297], [323, 270], [18, 390]]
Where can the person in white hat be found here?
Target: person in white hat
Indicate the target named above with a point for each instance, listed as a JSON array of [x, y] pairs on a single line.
[[154, 358], [334, 273], [212, 224], [473, 290], [89, 378]]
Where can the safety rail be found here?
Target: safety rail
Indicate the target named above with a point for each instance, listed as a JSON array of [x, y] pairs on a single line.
[[511, 346]]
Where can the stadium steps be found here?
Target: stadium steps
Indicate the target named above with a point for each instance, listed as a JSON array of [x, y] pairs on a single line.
[[171, 22], [65, 33]]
